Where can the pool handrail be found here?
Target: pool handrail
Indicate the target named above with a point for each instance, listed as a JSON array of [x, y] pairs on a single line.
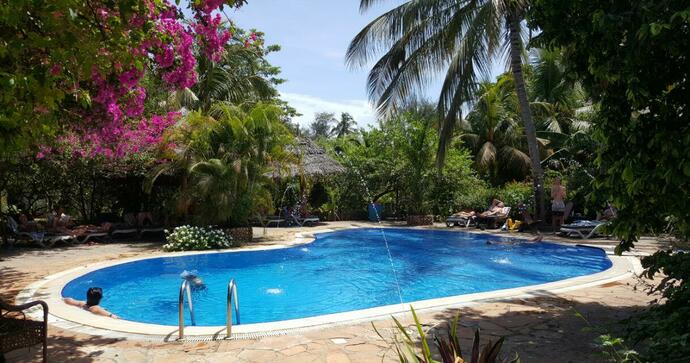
[[185, 288], [232, 294]]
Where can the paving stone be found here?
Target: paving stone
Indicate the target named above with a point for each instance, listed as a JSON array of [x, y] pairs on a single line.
[[254, 355], [337, 357], [294, 350]]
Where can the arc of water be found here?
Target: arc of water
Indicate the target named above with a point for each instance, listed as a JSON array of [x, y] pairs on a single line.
[[381, 228]]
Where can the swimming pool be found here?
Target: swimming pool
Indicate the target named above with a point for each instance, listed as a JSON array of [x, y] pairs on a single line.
[[340, 271]]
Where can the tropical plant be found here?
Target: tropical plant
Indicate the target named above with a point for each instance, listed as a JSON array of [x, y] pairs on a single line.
[[321, 126], [191, 238], [242, 76], [448, 347], [461, 38], [494, 133], [231, 181], [393, 164], [70, 61], [631, 57], [345, 126]]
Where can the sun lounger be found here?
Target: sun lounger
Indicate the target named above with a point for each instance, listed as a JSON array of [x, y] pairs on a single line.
[[459, 221], [584, 229], [42, 239], [308, 220], [497, 219], [277, 220], [92, 235], [124, 230], [151, 229]]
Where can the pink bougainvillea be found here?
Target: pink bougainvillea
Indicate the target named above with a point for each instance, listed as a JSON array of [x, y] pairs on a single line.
[[116, 125], [212, 36]]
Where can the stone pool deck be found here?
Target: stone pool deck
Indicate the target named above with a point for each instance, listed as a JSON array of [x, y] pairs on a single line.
[[546, 328]]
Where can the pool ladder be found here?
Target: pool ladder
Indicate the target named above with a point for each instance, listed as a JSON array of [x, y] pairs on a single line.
[[232, 296]]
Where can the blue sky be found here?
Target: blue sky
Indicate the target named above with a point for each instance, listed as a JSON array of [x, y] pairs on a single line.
[[314, 35]]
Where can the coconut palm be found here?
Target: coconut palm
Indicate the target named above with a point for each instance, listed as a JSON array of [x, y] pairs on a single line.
[[242, 76], [345, 126], [494, 133], [459, 38], [555, 96]]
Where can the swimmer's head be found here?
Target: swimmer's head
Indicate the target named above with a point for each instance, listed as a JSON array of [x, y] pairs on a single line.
[[94, 296]]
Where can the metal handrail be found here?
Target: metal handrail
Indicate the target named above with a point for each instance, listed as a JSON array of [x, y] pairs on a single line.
[[185, 287], [232, 293]]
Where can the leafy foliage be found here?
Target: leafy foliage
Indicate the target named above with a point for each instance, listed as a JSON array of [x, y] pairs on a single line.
[[396, 164], [457, 40], [448, 347], [631, 57], [321, 126], [229, 180], [78, 66]]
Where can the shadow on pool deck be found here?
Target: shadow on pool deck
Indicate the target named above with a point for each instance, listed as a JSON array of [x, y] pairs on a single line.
[[546, 328]]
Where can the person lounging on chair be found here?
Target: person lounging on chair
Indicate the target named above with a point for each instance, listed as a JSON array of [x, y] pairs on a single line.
[[40, 238], [497, 213], [464, 218]]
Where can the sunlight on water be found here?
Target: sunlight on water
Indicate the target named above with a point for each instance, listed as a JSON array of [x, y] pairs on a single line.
[[502, 260], [274, 291]]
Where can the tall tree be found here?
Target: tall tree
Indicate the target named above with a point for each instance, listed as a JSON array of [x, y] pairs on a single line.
[[494, 133], [345, 126], [321, 126], [632, 57], [459, 38], [242, 76]]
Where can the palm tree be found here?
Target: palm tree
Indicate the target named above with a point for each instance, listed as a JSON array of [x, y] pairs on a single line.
[[494, 133], [555, 96], [345, 126], [242, 76], [321, 126], [460, 38]]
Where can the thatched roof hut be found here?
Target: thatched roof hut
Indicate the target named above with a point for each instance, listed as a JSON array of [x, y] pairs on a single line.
[[313, 161]]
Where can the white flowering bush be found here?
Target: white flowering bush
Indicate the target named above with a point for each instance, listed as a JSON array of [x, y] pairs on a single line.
[[188, 238]]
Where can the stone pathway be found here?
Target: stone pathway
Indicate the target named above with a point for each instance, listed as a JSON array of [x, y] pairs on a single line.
[[549, 328]]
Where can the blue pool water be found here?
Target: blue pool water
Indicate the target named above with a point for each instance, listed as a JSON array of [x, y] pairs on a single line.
[[340, 271]]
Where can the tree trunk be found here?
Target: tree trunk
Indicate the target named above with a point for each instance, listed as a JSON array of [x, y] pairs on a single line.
[[526, 113]]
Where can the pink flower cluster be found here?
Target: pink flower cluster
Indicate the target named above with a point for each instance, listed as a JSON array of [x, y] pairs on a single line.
[[114, 127], [212, 36], [175, 58], [113, 140], [208, 6]]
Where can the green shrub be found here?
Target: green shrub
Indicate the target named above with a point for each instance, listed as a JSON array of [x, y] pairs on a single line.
[[190, 238], [514, 193]]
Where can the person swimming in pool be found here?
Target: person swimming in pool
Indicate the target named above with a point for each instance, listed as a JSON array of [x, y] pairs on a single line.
[[514, 241], [92, 303], [195, 282]]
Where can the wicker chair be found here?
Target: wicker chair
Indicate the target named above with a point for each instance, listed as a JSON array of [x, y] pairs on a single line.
[[16, 331]]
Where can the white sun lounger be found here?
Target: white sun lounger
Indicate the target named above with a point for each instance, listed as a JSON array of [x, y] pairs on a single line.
[[583, 229], [274, 220], [458, 221], [91, 236]]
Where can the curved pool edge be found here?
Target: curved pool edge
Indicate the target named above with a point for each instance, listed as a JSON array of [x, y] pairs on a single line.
[[67, 317]]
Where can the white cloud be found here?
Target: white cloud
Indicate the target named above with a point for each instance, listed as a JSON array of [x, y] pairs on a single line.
[[361, 110]]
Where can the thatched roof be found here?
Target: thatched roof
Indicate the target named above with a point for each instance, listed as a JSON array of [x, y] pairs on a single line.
[[314, 161]]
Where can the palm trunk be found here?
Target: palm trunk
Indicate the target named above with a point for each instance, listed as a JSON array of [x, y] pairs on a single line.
[[526, 113]]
